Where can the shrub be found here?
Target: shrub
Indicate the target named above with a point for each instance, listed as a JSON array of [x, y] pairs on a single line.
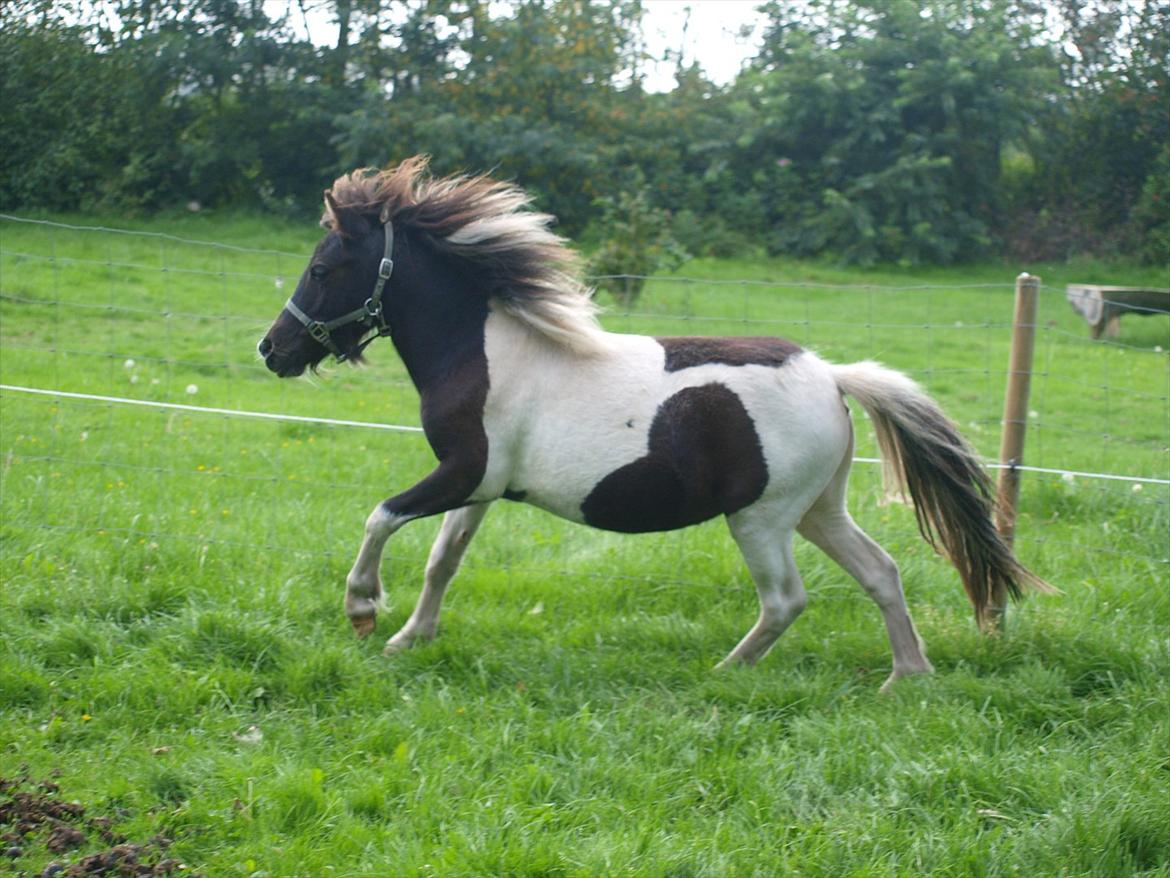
[[635, 242]]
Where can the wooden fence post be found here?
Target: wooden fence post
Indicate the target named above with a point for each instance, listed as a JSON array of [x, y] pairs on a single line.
[[1015, 424]]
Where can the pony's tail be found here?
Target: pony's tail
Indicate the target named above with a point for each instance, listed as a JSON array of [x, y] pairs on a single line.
[[924, 454]]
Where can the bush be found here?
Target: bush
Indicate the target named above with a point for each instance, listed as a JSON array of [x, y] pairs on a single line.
[[1150, 221], [635, 242]]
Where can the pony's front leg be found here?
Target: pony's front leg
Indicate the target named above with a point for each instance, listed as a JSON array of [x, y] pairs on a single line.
[[459, 526], [448, 487], [363, 585]]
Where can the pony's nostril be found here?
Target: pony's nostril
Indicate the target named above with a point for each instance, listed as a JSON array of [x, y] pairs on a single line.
[[265, 347]]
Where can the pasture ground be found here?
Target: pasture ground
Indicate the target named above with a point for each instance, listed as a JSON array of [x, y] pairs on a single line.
[[173, 656]]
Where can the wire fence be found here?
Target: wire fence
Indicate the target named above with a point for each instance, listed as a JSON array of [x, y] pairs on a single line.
[[128, 378]]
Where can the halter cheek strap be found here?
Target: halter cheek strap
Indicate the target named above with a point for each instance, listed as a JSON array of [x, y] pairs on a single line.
[[371, 314]]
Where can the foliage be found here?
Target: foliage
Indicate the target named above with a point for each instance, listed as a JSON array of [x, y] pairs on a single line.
[[209, 101], [635, 242], [57, 143], [879, 131], [1097, 141], [885, 122], [533, 96], [1151, 215]]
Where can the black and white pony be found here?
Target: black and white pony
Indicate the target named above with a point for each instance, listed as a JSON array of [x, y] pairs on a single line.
[[525, 397]]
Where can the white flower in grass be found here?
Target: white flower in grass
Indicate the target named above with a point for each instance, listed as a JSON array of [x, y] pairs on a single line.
[[129, 364], [1068, 478], [250, 735], [192, 389]]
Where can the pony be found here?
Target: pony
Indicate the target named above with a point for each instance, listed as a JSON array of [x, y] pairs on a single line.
[[525, 397]]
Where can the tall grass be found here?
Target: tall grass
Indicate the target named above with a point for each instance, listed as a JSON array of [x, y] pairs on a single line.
[[173, 642]]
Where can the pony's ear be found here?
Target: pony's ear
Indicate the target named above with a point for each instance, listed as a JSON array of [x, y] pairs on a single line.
[[346, 221]]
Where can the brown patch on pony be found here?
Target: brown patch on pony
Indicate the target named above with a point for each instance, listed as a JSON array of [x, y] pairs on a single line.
[[703, 459], [686, 352]]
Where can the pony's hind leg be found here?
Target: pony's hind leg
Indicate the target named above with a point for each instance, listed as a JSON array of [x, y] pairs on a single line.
[[767, 550], [459, 526], [830, 527]]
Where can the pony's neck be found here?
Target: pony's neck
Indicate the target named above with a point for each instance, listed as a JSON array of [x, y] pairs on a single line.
[[437, 325], [432, 347]]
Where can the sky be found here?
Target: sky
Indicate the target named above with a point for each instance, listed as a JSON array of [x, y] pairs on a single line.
[[712, 38], [706, 31]]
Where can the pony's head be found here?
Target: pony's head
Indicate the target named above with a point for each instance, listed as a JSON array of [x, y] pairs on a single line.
[[478, 226], [339, 298]]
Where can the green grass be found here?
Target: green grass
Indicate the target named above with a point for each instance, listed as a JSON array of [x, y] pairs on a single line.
[[172, 579]]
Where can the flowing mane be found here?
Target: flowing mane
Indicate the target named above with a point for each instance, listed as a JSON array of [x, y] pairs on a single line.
[[527, 269]]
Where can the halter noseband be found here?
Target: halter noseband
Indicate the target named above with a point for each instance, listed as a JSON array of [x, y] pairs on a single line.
[[371, 315]]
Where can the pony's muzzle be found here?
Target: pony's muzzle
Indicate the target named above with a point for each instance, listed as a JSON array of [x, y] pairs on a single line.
[[277, 363]]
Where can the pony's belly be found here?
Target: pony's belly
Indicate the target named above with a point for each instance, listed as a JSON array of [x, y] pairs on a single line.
[[631, 443], [562, 464], [653, 462]]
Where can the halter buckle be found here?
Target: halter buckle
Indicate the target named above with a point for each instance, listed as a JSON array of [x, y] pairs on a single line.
[[319, 333], [386, 268]]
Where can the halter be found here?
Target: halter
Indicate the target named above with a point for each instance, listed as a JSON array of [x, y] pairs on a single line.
[[370, 314]]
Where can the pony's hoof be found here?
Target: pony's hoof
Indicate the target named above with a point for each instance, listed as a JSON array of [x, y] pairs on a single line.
[[397, 644], [888, 686], [363, 627], [732, 661], [404, 640]]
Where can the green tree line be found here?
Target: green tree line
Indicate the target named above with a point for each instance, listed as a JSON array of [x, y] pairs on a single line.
[[913, 132]]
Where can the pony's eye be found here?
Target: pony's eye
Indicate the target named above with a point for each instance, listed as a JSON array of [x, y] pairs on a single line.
[[318, 272]]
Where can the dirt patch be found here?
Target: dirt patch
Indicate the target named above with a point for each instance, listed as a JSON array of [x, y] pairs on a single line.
[[34, 819]]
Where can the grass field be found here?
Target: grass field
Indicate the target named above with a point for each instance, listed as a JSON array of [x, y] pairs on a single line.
[[174, 656]]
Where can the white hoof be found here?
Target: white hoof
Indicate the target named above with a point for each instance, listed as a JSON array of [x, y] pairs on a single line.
[[735, 660], [402, 641], [899, 673]]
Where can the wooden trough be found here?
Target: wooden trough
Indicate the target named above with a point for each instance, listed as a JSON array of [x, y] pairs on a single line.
[[1103, 306]]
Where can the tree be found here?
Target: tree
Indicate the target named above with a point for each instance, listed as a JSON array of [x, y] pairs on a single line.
[[535, 95], [882, 125], [1096, 153], [875, 130]]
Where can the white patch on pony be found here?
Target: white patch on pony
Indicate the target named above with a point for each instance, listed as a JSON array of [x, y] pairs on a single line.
[[381, 523]]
